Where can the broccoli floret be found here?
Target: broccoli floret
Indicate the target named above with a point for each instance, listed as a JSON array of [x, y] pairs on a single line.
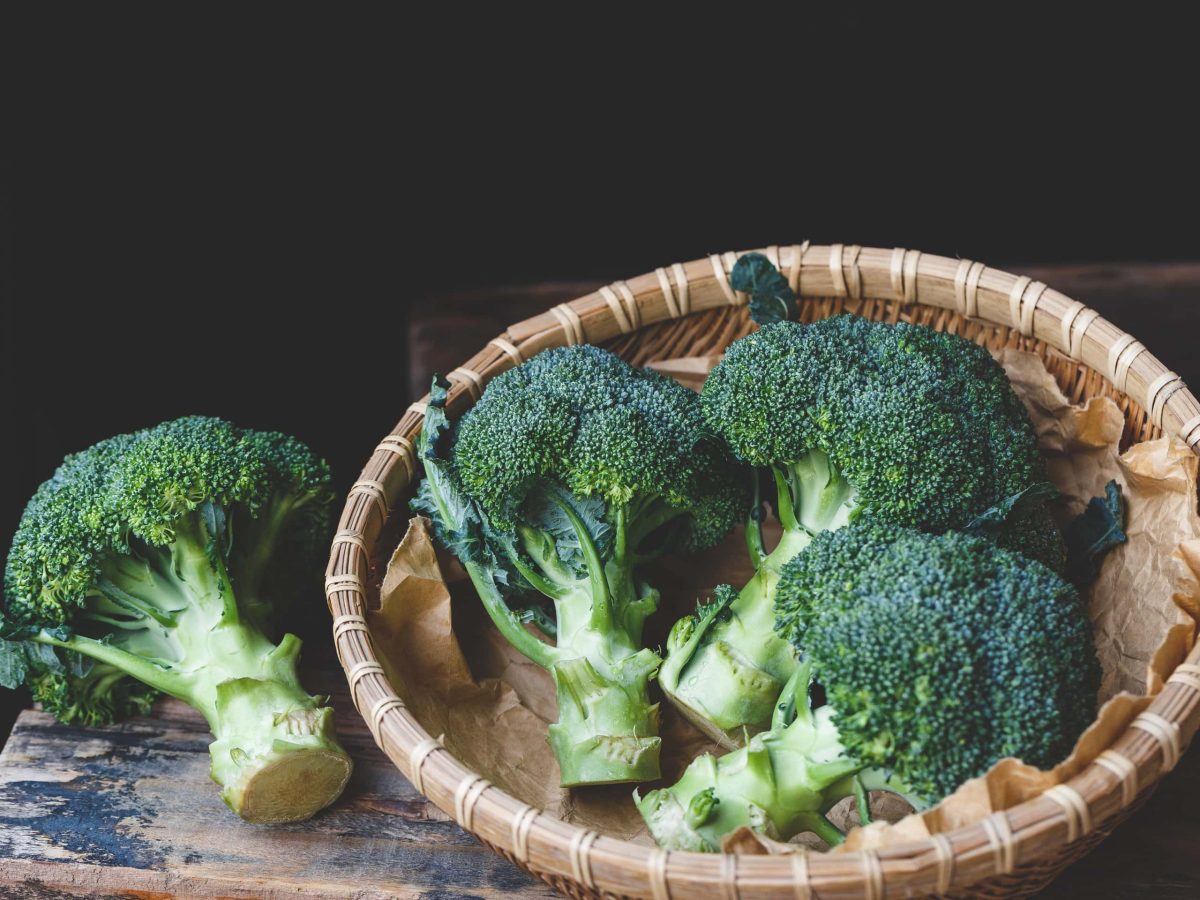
[[572, 471], [995, 656], [157, 562], [851, 418], [938, 655]]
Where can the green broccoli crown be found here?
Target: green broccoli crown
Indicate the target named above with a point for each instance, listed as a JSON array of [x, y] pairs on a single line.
[[1032, 532], [571, 472], [143, 487], [924, 425], [586, 419], [941, 654]]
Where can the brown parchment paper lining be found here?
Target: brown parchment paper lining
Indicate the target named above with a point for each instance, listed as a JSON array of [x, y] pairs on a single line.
[[493, 711]]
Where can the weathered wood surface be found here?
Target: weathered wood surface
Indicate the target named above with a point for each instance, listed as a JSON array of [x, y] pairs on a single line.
[[130, 811]]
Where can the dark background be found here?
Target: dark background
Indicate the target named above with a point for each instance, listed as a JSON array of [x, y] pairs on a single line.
[[240, 218]]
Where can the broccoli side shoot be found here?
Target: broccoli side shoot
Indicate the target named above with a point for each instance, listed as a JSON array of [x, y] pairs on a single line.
[[572, 471], [781, 783], [938, 656], [850, 418], [158, 562]]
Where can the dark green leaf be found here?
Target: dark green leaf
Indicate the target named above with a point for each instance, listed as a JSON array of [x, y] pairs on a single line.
[[12, 664], [42, 658], [544, 511], [59, 632], [1093, 533], [991, 520], [213, 516], [771, 297], [458, 523], [718, 607], [77, 664]]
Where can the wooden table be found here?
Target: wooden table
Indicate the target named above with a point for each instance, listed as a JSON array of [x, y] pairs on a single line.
[[130, 811]]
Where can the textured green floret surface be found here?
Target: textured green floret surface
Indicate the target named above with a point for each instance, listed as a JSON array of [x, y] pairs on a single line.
[[586, 419], [852, 419], [941, 654], [925, 425], [158, 561], [571, 471]]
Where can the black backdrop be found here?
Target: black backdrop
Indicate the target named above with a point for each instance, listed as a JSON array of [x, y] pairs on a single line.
[[242, 225]]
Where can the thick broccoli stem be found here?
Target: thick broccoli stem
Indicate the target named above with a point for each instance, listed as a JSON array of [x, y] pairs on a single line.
[[275, 752], [780, 784], [728, 678], [607, 728]]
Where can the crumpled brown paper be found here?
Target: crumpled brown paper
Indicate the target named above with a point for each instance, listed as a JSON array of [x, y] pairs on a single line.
[[494, 710]]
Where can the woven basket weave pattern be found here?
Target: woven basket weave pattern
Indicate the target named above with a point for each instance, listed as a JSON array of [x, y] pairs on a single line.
[[689, 310]]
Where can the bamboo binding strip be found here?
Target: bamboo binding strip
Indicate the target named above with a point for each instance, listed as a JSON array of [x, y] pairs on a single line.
[[1009, 851]]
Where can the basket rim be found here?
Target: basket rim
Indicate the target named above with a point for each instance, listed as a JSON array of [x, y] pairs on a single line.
[[1024, 834]]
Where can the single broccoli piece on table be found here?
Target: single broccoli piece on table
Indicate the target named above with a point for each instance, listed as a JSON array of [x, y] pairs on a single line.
[[851, 418], [158, 562], [938, 655], [572, 471]]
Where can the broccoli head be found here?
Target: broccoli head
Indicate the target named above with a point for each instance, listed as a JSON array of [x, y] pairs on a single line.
[[849, 419], [938, 655], [158, 562], [942, 653], [572, 471]]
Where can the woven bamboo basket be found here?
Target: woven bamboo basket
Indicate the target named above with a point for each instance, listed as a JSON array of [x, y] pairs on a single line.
[[690, 309]]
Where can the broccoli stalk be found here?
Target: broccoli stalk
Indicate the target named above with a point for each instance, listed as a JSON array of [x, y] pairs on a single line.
[[736, 667], [850, 418], [571, 472], [607, 730], [781, 783], [938, 655], [142, 559]]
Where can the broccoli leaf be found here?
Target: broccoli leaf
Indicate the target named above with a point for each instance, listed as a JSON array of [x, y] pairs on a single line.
[[544, 510], [43, 658], [1093, 533], [455, 518], [19, 658], [78, 665], [993, 518], [12, 664], [458, 523], [771, 297]]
